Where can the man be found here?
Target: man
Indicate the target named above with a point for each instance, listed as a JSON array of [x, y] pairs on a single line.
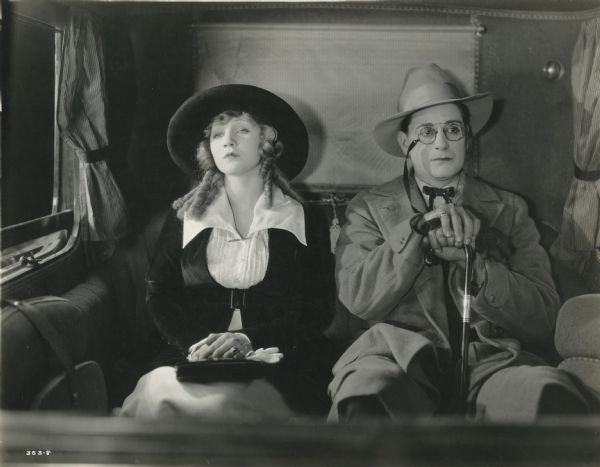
[[401, 267]]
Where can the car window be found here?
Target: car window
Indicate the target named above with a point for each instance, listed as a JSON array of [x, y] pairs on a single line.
[[36, 223], [28, 153]]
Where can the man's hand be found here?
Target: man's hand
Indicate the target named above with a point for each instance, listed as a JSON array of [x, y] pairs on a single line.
[[459, 227], [448, 252], [220, 345]]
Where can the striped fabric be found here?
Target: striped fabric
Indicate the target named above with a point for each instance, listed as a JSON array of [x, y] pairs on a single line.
[[579, 239], [82, 123]]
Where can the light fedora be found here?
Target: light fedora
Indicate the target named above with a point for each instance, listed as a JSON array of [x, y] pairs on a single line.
[[426, 87]]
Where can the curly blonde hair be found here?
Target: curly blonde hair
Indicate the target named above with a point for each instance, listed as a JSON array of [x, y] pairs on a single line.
[[209, 179]]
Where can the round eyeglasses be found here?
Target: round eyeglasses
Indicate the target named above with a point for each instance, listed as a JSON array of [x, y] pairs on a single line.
[[453, 131]]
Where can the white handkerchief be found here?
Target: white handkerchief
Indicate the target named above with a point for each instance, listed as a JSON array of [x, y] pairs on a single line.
[[270, 355]]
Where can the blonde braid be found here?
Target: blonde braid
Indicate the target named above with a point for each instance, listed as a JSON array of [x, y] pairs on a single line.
[[284, 184], [197, 200], [269, 151], [184, 200], [266, 171]]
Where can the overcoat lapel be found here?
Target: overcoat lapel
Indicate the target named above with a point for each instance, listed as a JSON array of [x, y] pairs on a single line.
[[390, 206], [393, 207], [485, 203]]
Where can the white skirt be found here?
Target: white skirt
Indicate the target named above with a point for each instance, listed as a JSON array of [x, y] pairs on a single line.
[[159, 394]]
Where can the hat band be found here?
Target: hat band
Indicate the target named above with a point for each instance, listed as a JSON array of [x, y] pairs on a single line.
[[428, 94]]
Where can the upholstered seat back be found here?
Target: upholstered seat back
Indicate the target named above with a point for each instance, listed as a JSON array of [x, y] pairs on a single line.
[[577, 339]]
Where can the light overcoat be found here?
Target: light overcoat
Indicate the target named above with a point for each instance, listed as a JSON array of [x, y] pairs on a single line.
[[381, 278]]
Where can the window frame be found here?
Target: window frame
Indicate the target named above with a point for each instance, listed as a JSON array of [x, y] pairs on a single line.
[[19, 240]]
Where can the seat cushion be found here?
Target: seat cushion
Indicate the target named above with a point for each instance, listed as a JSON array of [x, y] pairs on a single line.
[[578, 327], [126, 275], [85, 391], [587, 370], [28, 362]]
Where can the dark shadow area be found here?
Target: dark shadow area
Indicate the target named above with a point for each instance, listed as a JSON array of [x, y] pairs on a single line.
[[157, 57]]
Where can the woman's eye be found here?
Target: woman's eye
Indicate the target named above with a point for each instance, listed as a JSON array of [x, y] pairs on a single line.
[[216, 135], [244, 130], [454, 129]]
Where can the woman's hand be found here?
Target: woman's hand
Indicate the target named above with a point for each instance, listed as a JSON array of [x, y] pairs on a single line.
[[220, 345]]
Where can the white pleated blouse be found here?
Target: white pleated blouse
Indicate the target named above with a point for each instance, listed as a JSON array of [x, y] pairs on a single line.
[[237, 262]]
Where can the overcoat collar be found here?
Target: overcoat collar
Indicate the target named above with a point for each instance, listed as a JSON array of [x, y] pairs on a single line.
[[483, 199]]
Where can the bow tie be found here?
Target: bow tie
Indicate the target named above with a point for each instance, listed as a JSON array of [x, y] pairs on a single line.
[[432, 192]]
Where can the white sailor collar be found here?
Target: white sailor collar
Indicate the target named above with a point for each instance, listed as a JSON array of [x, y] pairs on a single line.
[[285, 213]]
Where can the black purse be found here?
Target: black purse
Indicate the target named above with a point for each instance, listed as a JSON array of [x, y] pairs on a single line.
[[210, 371]]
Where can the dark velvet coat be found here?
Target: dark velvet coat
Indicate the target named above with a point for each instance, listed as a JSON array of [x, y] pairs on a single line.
[[286, 309]]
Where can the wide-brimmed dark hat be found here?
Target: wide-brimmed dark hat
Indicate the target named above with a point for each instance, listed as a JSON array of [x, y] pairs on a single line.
[[426, 87], [188, 123]]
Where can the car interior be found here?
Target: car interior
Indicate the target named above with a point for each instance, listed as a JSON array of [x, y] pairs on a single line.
[[80, 226]]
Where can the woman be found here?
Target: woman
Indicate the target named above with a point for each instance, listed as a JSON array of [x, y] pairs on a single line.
[[231, 273]]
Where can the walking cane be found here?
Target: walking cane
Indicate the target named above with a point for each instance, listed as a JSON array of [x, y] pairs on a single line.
[[463, 392]]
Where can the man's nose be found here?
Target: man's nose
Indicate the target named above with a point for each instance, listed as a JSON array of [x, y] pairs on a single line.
[[440, 140]]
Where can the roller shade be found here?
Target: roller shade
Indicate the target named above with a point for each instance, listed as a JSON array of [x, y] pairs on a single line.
[[340, 79]]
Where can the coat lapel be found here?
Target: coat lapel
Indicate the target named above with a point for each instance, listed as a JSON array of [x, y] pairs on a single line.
[[391, 207], [483, 200]]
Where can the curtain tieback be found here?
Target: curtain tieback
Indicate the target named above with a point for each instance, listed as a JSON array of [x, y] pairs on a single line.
[[587, 175]]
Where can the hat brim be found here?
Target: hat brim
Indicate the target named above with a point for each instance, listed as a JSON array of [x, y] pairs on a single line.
[[386, 131], [188, 123]]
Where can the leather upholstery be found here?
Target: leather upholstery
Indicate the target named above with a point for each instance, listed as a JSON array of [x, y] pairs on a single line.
[[125, 277], [27, 360], [577, 340], [578, 327]]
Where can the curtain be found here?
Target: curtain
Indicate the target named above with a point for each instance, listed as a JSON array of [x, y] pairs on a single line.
[[82, 123], [578, 242]]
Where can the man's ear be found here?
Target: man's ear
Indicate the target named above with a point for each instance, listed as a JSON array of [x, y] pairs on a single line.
[[403, 141]]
